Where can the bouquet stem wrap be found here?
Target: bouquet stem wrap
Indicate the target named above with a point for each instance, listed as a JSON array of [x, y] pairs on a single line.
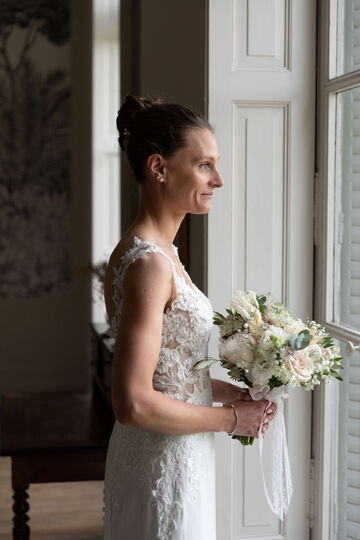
[[281, 474]]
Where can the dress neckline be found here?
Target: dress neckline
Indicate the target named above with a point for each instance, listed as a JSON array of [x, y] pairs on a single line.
[[136, 241]]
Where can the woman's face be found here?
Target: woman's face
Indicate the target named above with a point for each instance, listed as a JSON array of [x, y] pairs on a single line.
[[190, 174]]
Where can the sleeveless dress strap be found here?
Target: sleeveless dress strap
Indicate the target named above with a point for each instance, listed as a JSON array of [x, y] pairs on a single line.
[[139, 249]]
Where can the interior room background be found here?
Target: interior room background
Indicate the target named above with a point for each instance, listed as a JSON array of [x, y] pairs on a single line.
[[281, 86]]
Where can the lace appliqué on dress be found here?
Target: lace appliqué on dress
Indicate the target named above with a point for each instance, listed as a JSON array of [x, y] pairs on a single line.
[[168, 466]]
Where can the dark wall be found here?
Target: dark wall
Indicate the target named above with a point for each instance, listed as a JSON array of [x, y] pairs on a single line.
[[45, 306], [164, 53]]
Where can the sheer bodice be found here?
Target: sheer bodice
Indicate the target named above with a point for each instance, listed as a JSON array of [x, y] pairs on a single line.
[[186, 330], [162, 486]]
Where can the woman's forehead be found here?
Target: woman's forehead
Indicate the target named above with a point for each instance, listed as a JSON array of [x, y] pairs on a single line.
[[202, 142]]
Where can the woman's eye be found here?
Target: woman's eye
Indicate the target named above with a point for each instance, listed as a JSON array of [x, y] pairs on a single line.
[[205, 165]]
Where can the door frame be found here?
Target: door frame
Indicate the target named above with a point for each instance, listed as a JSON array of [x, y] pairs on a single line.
[[324, 395]]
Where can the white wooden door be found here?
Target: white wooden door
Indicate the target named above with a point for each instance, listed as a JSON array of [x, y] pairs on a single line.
[[260, 233]]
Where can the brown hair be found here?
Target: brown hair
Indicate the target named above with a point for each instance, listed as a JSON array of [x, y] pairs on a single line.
[[148, 126]]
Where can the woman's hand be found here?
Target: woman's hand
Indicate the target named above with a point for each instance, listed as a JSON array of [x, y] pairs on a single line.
[[223, 391], [250, 415]]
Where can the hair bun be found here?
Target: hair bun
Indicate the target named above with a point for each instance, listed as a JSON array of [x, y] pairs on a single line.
[[132, 106]]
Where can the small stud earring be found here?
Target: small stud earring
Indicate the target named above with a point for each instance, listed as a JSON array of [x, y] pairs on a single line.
[[160, 179]]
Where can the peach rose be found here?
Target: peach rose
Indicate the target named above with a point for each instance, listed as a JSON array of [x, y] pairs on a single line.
[[301, 365]]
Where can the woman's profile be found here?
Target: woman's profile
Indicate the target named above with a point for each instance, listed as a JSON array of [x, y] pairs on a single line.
[[160, 469]]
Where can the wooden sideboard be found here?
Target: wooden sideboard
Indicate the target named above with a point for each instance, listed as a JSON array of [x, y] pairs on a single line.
[[58, 436], [52, 437]]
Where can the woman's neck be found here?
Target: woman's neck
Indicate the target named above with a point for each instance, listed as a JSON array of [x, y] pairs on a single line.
[[157, 220]]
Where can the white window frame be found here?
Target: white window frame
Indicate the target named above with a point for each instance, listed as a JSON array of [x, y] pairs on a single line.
[[328, 85]]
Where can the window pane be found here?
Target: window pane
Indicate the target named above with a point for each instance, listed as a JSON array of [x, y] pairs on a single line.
[[345, 452], [348, 36], [347, 210]]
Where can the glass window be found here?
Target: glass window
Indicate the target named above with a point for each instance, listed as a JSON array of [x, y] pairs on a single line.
[[348, 36], [346, 292], [345, 451]]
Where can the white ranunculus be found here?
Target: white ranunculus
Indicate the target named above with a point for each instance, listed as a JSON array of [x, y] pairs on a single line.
[[315, 352], [238, 350]]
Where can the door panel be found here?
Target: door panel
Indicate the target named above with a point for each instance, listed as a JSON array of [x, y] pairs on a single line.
[[260, 230]]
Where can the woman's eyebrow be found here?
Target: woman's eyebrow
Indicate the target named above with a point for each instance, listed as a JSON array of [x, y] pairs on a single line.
[[211, 158]]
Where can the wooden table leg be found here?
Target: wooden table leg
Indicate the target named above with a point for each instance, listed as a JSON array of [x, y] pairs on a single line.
[[20, 466], [21, 530]]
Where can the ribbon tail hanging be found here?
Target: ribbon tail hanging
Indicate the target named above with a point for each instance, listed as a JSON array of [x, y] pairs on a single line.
[[282, 488]]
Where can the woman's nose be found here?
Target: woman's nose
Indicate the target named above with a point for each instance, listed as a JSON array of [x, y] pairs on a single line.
[[218, 180]]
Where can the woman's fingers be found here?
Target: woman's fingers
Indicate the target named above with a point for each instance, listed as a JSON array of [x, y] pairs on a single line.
[[252, 415], [271, 411]]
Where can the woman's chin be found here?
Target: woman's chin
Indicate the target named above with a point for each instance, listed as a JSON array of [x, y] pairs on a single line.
[[202, 211], [204, 207]]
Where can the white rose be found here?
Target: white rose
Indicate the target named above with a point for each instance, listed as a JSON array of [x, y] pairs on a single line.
[[294, 327], [242, 305], [251, 297], [238, 350]]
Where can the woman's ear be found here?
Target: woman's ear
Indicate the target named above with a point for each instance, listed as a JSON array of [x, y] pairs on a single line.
[[155, 164]]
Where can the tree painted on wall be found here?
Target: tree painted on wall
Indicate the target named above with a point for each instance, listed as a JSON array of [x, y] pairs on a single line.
[[34, 153]]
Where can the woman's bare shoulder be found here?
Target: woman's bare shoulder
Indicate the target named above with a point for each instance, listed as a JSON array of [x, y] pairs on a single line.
[[149, 275], [124, 244]]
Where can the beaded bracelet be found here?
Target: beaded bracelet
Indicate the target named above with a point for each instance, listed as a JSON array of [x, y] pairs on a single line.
[[237, 420]]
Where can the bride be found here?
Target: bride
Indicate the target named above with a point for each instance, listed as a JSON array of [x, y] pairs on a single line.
[[160, 470]]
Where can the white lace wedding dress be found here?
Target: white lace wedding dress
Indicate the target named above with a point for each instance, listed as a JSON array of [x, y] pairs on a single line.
[[162, 486]]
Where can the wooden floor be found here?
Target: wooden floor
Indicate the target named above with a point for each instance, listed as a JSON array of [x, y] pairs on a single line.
[[59, 511]]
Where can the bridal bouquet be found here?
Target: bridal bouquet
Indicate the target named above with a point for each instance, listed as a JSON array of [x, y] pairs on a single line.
[[265, 347]]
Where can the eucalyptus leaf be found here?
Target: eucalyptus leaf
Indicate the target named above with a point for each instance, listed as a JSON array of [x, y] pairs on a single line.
[[302, 340]]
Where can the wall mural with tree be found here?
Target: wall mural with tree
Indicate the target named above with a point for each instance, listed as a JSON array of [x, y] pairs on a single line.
[[34, 147]]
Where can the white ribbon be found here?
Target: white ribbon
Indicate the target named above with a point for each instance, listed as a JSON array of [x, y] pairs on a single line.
[[281, 475]]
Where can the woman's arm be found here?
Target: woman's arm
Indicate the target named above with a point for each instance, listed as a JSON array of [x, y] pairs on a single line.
[[147, 288]]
